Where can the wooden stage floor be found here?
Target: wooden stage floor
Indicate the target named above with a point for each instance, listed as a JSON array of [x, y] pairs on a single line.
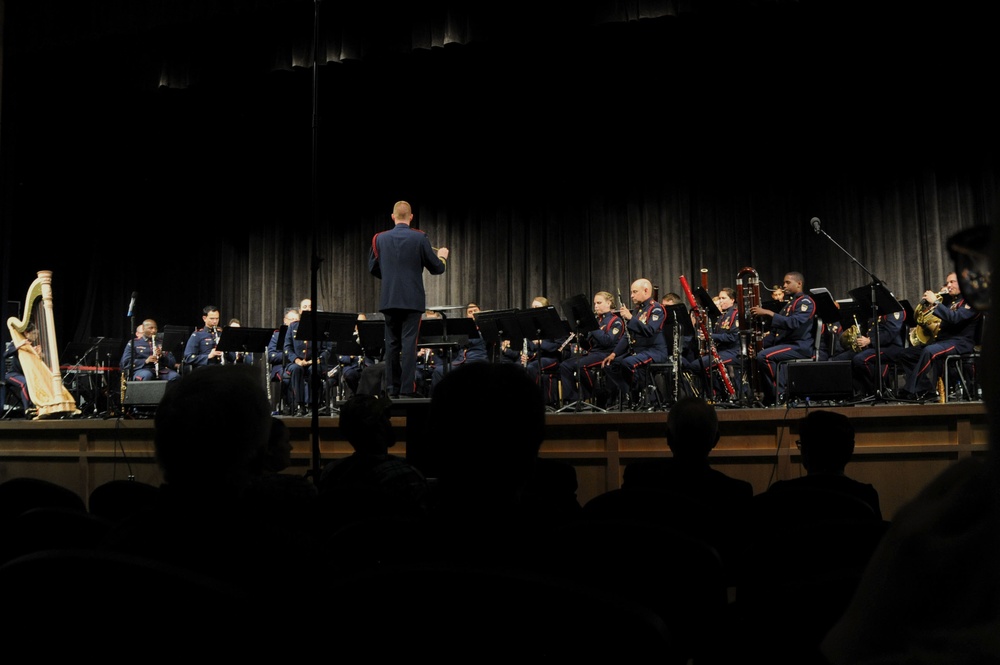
[[899, 447]]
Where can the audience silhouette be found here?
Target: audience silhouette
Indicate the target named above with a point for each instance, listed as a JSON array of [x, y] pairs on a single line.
[[826, 443], [684, 491], [212, 433], [370, 483]]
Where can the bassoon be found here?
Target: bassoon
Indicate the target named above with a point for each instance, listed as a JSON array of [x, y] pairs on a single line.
[[716, 360]]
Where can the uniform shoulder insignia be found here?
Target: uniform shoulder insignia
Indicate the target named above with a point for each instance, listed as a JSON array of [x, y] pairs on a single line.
[[896, 315], [615, 330], [805, 307], [656, 316]]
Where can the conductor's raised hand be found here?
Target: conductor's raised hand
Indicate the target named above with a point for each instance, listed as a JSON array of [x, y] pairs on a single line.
[[443, 253]]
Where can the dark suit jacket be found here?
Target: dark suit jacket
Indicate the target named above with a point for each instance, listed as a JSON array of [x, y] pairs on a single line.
[[398, 257]]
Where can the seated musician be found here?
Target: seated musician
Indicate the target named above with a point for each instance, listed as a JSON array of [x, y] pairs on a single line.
[[200, 350], [923, 363], [473, 352], [305, 358], [595, 346], [642, 344], [888, 339], [543, 358], [725, 336], [279, 373], [146, 359], [790, 334], [14, 377]]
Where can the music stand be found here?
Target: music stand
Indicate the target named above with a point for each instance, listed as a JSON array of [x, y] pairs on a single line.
[[371, 339], [706, 304], [541, 323], [581, 320], [325, 329], [826, 308], [491, 329], [242, 339], [880, 301], [435, 333]]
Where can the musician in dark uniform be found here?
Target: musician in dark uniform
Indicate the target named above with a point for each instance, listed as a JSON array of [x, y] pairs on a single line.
[[473, 352], [398, 257], [595, 346], [957, 334], [200, 350], [279, 373], [642, 344], [790, 334], [726, 338], [304, 357], [14, 377], [144, 362], [543, 358], [864, 364]]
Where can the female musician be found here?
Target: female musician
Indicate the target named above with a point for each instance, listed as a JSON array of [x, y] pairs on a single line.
[[726, 337], [543, 358], [15, 374], [596, 346]]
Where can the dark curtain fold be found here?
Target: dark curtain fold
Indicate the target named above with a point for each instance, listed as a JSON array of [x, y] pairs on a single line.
[[554, 153]]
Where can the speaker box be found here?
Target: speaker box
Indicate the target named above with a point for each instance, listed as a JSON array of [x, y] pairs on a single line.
[[144, 393], [825, 380]]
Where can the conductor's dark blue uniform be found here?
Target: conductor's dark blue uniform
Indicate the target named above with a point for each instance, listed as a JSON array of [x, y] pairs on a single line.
[[398, 257]]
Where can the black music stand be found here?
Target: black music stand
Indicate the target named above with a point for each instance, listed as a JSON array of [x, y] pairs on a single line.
[[371, 339], [500, 325], [326, 329], [826, 309], [880, 302], [581, 321], [542, 323], [174, 340], [707, 305], [241, 339]]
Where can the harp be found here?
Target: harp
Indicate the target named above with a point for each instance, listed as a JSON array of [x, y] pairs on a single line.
[[41, 365]]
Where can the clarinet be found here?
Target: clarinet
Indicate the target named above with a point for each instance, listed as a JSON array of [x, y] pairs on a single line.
[[628, 333], [156, 355]]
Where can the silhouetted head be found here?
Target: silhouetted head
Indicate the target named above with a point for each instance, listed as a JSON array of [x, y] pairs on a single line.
[[826, 440], [365, 423], [692, 429], [487, 422], [211, 426]]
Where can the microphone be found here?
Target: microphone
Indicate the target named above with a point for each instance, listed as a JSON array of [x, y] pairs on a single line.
[[815, 224], [131, 304]]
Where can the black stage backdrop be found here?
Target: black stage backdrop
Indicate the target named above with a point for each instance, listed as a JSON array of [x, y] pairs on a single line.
[[170, 148]]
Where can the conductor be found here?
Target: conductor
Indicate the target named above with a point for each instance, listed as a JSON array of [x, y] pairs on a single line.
[[398, 257]]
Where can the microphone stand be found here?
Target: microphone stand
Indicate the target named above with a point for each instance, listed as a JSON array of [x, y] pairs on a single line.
[[873, 297]]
